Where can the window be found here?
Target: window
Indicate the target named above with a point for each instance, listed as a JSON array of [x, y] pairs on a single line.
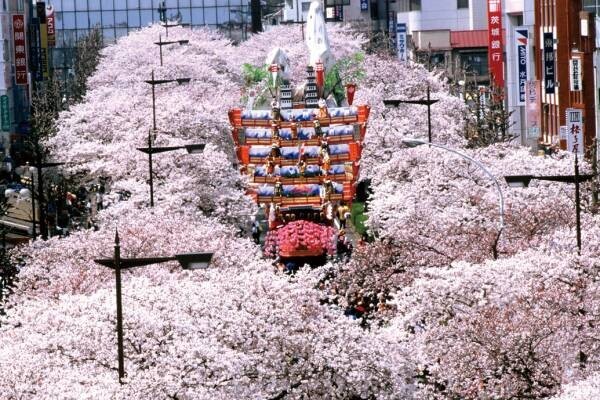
[[476, 63], [414, 5], [305, 6], [462, 4]]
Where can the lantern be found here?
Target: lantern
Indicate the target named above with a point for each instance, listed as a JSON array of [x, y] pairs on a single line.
[[320, 74], [350, 90]]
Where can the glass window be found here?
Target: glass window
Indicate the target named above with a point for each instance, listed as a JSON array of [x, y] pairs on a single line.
[[95, 18], [210, 16], [197, 3], [70, 38], [58, 20], [146, 4], [186, 15], [68, 5], [133, 18], [81, 18], [94, 4], [107, 4], [108, 19], [305, 6], [133, 4], [171, 4], [462, 4], [60, 38], [68, 20], [197, 16], [184, 3], [415, 5], [145, 17], [120, 19], [108, 35], [82, 33], [210, 3], [222, 15], [120, 32]]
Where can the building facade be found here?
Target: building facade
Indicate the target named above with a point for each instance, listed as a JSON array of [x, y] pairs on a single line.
[[565, 34]]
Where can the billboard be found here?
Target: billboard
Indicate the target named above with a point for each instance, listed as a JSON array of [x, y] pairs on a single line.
[[549, 57]]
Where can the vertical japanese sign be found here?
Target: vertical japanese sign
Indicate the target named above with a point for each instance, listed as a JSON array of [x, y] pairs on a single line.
[[533, 108], [4, 113], [495, 56], [50, 26], [549, 72], [20, 49], [392, 30], [575, 130], [401, 41], [522, 41], [41, 13], [364, 5], [575, 74]]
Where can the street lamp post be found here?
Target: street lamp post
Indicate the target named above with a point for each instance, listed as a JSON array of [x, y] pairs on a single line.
[[577, 178], [425, 102], [417, 142], [190, 148], [38, 168], [160, 44], [189, 261], [155, 82]]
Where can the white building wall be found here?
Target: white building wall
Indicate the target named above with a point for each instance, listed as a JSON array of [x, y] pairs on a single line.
[[443, 15]]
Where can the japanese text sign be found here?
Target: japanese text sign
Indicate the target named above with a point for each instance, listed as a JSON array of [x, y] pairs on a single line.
[[575, 74], [20, 49], [549, 72], [575, 130], [495, 55], [401, 41], [522, 39]]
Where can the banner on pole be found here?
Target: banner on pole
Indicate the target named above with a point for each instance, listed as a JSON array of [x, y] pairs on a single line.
[[575, 130], [522, 43], [401, 41], [575, 74], [533, 109]]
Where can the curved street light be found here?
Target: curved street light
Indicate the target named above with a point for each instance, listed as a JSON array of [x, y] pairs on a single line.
[[418, 142]]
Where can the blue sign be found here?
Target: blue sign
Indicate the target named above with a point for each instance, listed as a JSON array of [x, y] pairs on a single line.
[[401, 41], [364, 5], [522, 36]]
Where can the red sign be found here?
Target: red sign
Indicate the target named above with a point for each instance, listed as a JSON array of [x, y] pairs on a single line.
[[50, 26], [320, 74], [495, 43], [20, 49]]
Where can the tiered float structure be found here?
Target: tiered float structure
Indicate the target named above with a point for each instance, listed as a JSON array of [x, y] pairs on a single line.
[[302, 157]]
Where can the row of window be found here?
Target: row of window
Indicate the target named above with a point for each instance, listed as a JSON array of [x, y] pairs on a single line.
[[415, 5], [140, 18], [100, 5]]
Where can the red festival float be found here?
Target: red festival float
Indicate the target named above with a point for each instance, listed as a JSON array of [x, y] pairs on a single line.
[[302, 155]]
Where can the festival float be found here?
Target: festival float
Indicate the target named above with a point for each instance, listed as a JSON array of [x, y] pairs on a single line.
[[301, 150]]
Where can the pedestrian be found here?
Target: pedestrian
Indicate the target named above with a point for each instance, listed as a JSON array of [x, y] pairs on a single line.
[[256, 230], [343, 214]]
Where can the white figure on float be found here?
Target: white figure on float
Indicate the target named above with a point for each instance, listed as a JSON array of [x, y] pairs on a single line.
[[316, 37]]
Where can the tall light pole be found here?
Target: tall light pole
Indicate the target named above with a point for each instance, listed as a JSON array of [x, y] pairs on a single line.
[[190, 148], [160, 44], [577, 178], [417, 142], [428, 101], [189, 261], [153, 82]]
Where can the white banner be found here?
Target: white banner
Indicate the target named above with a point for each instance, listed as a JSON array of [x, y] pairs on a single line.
[[575, 130], [401, 41], [522, 47], [575, 74]]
